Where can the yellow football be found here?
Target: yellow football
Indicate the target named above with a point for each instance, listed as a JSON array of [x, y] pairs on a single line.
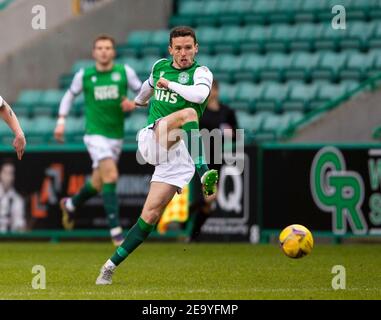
[[296, 241]]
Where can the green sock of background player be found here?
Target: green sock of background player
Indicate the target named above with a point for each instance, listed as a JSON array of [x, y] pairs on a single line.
[[110, 202], [86, 192]]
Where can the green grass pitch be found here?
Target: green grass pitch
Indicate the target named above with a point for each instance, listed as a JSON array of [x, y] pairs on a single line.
[[189, 271]]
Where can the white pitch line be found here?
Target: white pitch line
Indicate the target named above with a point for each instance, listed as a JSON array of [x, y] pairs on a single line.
[[139, 292]]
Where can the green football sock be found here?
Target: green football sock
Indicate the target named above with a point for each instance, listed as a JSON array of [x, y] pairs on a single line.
[[135, 236], [110, 202], [194, 138], [87, 192]]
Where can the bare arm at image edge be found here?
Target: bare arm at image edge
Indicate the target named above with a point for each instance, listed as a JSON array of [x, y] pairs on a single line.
[[9, 117]]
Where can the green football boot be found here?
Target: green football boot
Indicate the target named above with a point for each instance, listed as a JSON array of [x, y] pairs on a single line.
[[209, 181]]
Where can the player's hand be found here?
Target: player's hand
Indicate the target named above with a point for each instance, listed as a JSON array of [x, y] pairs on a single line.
[[128, 105], [59, 133], [162, 83], [19, 144]]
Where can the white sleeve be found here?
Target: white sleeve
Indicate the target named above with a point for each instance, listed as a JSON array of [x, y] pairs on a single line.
[[199, 91], [74, 90], [150, 81], [1, 101], [203, 76], [66, 103], [134, 82], [76, 86], [145, 93]]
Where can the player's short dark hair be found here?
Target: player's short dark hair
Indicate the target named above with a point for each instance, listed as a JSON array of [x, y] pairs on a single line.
[[182, 31], [104, 37]]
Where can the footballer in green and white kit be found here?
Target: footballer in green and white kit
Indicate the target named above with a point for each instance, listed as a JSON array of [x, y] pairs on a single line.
[[178, 167], [105, 87], [177, 89]]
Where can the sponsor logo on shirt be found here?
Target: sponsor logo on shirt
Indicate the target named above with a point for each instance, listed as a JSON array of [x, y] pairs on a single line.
[[183, 77], [115, 76], [165, 96], [106, 92]]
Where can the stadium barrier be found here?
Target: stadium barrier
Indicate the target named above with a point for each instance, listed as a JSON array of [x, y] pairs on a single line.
[[48, 173], [333, 190]]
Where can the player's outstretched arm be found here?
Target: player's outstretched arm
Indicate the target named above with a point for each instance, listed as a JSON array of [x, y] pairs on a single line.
[[193, 93], [145, 93], [10, 118], [59, 130], [75, 89], [65, 106]]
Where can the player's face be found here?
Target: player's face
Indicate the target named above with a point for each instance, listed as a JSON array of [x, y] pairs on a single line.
[[103, 52], [183, 50], [7, 176]]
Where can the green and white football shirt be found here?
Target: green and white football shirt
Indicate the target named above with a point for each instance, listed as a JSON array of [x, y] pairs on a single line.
[[103, 92], [166, 101]]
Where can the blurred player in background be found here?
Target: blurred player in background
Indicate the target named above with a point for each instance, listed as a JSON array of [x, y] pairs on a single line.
[[179, 88], [7, 114], [12, 207], [105, 88], [216, 116]]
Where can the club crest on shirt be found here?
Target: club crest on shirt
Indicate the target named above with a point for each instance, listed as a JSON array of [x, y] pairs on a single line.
[[161, 74], [115, 76], [94, 79], [183, 77]]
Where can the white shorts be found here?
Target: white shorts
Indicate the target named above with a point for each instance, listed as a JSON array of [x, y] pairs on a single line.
[[174, 167], [101, 148]]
